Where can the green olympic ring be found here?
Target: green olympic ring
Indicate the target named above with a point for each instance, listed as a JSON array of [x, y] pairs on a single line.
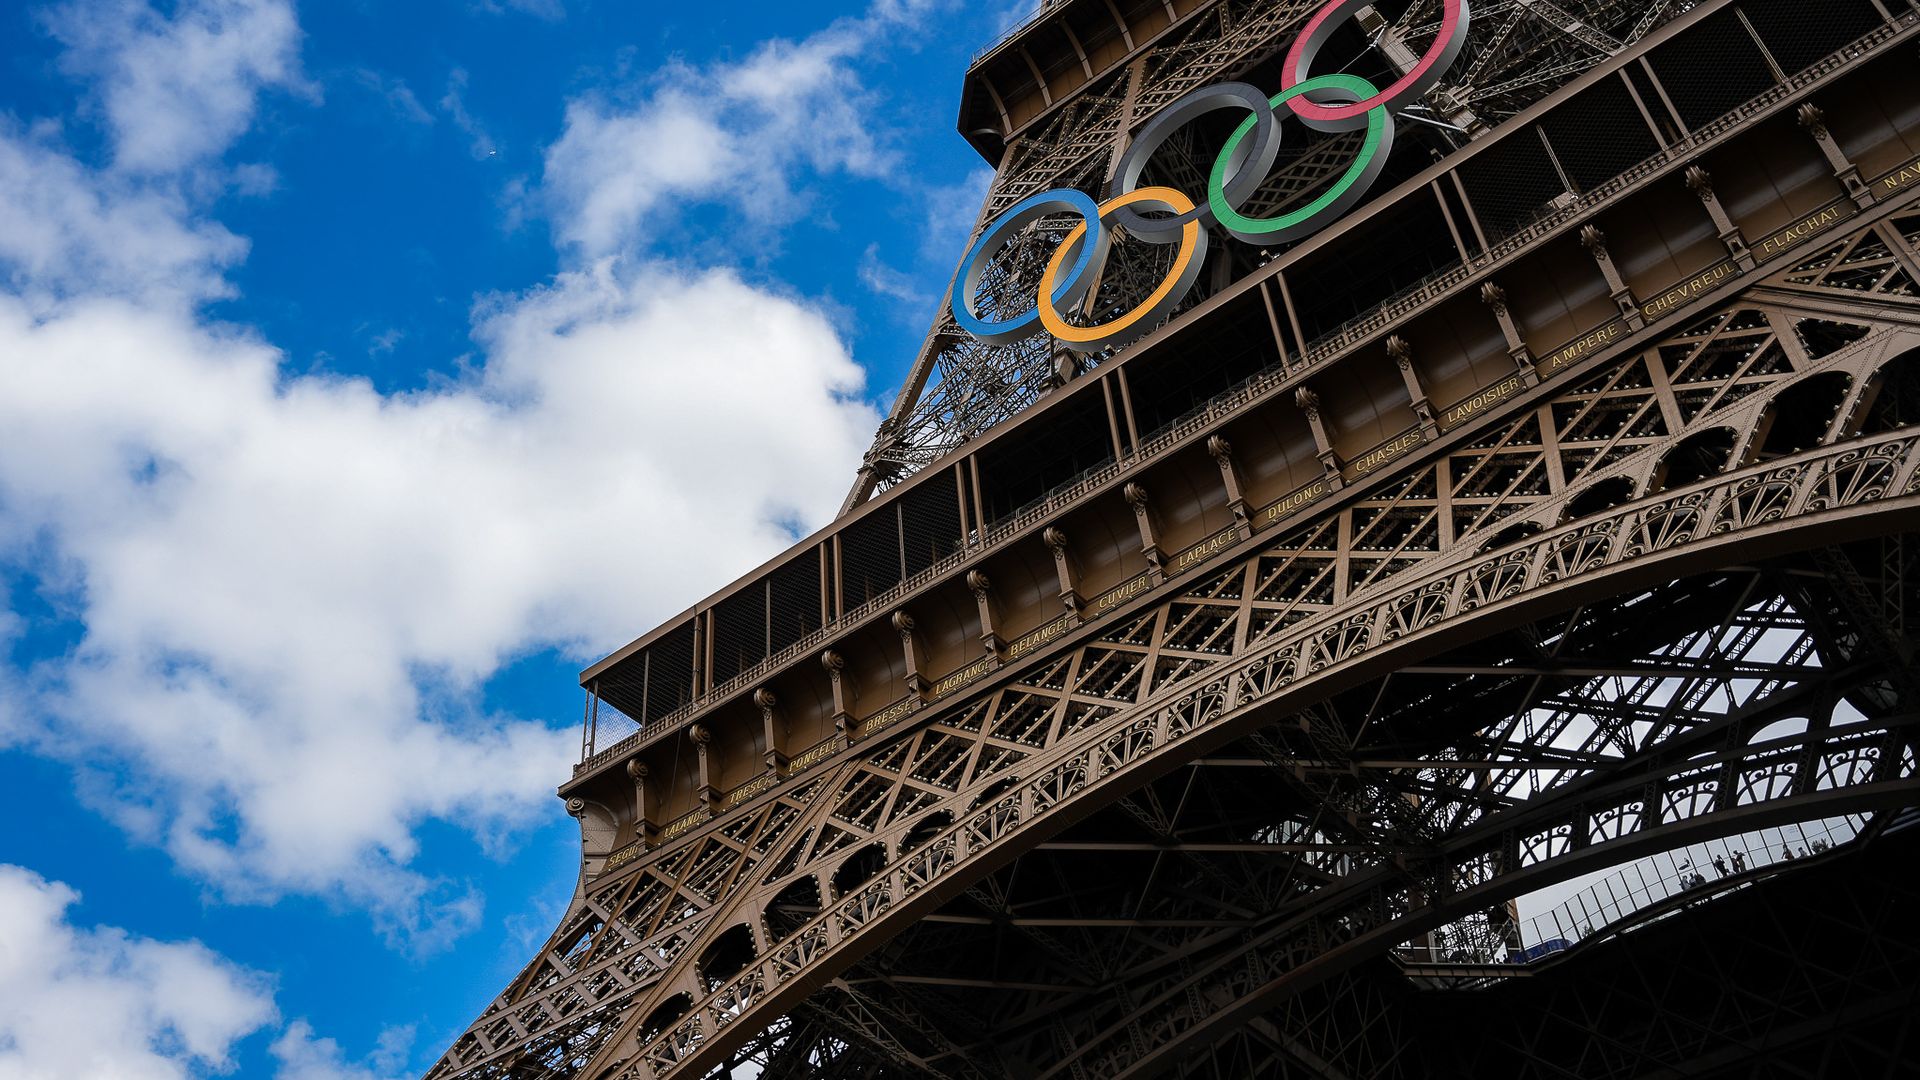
[[1324, 103], [1334, 201]]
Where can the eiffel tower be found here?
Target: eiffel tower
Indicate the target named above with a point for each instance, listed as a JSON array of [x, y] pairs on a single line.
[[1475, 639]]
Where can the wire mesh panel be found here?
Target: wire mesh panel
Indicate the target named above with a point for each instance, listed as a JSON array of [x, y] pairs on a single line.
[[1511, 184], [793, 600], [739, 632], [930, 521], [1599, 134], [670, 672], [1798, 33], [1402, 246], [1016, 471], [1712, 70], [870, 561], [1206, 360]]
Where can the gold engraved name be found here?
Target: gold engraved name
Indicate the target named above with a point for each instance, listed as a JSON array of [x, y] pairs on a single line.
[[1113, 598], [1491, 395], [962, 677], [1574, 350], [1292, 502], [1212, 545], [893, 713], [1033, 639], [1901, 177], [749, 789], [1800, 230], [812, 756], [683, 823], [1377, 457], [624, 856], [1689, 289]]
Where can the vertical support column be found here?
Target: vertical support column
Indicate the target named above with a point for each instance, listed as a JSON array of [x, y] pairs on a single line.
[[645, 827], [1495, 298], [836, 666], [1113, 420], [1136, 497], [1293, 315], [775, 728], [1309, 403], [1595, 242], [979, 502], [828, 586], [1813, 120], [981, 588], [1273, 323], [910, 647], [708, 793], [1222, 453], [1700, 182], [588, 720], [1466, 204], [1402, 355], [1056, 539], [1126, 410], [702, 649]]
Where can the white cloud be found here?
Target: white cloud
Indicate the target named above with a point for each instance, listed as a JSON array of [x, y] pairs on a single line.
[[67, 229], [302, 1056], [290, 585], [177, 89], [551, 10], [398, 96], [734, 132], [479, 143], [98, 1003], [895, 284]]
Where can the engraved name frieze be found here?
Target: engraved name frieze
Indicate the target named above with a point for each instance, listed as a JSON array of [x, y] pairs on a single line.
[[1379, 456], [1212, 545], [1114, 597], [1582, 347], [1800, 230], [1481, 401], [1691, 289], [1033, 639], [1306, 495], [962, 677]]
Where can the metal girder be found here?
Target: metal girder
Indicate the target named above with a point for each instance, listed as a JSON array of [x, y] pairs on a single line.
[[1450, 680], [959, 388]]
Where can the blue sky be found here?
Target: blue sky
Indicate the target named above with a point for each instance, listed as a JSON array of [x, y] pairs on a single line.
[[365, 369]]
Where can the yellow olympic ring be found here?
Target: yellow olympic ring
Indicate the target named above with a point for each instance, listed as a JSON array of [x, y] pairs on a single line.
[[1186, 267]]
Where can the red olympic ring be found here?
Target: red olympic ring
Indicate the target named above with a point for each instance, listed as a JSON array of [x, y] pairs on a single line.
[[1454, 17]]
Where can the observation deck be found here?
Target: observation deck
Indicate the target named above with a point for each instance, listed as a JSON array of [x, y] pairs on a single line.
[[1475, 286], [1549, 512]]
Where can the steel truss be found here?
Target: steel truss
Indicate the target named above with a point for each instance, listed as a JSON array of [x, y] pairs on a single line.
[[1194, 827], [958, 388]]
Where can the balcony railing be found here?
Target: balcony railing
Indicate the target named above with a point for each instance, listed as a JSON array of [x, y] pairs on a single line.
[[1324, 349], [1615, 903]]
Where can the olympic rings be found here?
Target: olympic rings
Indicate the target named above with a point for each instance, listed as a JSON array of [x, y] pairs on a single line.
[[1331, 203], [1248, 168], [1179, 279], [1324, 103], [1455, 15], [1069, 292]]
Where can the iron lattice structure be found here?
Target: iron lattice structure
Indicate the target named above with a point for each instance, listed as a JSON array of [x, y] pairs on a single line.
[[959, 387], [1456, 669]]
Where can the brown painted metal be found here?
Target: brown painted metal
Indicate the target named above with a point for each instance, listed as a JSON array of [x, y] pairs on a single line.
[[994, 820]]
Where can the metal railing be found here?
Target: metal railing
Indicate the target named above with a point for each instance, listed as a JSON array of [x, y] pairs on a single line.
[[1614, 903], [1322, 350], [1040, 10]]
